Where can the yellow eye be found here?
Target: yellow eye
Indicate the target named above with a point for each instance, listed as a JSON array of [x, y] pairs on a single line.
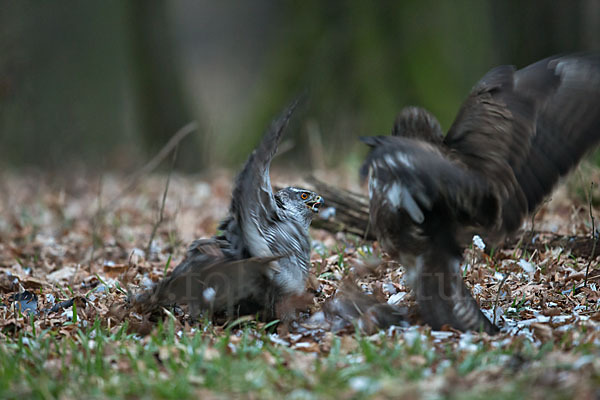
[[304, 196]]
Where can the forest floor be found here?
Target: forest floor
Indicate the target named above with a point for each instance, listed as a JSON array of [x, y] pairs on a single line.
[[71, 249]]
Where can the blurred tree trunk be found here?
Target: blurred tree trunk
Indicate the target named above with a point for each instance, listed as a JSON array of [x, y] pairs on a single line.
[[64, 85], [161, 98], [526, 31]]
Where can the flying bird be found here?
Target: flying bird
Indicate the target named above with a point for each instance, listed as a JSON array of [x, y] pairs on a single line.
[[261, 254], [516, 134]]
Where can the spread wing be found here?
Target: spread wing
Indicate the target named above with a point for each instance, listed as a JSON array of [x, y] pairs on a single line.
[[413, 176], [514, 136], [253, 206], [207, 280], [524, 129]]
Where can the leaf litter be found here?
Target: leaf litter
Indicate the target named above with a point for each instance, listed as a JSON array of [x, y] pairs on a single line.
[[63, 267]]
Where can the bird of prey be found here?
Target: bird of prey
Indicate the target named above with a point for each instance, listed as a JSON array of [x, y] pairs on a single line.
[[261, 254], [516, 134]]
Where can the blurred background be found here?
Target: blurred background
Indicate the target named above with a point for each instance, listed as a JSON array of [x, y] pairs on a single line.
[[105, 84]]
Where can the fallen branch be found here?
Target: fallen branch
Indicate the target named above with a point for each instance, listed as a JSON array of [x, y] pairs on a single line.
[[579, 246], [351, 210]]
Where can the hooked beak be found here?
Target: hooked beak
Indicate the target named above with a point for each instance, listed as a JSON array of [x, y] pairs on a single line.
[[315, 204]]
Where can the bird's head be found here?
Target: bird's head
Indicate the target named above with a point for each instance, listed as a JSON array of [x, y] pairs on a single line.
[[300, 202]]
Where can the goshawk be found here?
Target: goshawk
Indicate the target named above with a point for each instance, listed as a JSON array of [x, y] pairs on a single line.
[[262, 253]]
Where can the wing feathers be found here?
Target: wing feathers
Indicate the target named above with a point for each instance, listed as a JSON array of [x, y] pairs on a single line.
[[412, 176], [524, 129], [253, 202], [253, 185], [209, 283], [515, 135]]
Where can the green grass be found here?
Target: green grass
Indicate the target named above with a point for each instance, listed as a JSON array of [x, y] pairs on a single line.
[[95, 363]]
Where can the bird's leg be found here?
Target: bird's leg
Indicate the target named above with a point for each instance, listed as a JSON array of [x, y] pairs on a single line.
[[442, 295]]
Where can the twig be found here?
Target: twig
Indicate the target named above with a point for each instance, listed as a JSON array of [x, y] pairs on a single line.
[[156, 160], [587, 268], [95, 221], [135, 177], [498, 294], [532, 231], [162, 205]]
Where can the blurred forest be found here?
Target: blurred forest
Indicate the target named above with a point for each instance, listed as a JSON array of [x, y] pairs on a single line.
[[105, 84]]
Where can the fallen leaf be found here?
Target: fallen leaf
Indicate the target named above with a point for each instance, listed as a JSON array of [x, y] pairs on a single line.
[[64, 273]]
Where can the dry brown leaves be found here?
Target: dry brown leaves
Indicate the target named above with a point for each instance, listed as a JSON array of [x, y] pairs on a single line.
[[54, 243]]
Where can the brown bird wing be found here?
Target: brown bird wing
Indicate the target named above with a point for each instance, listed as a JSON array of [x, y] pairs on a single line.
[[524, 129], [209, 282], [416, 122], [412, 176], [515, 135]]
